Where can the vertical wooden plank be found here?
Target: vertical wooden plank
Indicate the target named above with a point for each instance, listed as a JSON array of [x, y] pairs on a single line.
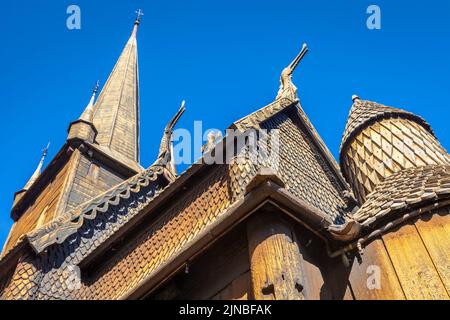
[[435, 232], [238, 289], [412, 263], [275, 261], [314, 288], [375, 259]]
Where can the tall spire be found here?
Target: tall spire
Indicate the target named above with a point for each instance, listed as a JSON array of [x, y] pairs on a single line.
[[88, 113], [116, 112]]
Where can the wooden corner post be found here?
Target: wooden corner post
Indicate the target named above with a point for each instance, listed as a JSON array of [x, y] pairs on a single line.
[[275, 260]]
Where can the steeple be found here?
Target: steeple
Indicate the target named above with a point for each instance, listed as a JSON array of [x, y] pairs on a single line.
[[34, 177], [116, 112]]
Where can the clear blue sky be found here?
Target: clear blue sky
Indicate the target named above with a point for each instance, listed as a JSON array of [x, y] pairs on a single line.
[[223, 57]]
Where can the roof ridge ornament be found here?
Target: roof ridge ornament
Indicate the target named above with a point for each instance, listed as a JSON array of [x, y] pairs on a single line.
[[139, 14], [165, 155], [137, 22], [355, 98], [287, 87]]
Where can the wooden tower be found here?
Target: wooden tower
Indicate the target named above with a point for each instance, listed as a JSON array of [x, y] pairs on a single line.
[[102, 150], [379, 141]]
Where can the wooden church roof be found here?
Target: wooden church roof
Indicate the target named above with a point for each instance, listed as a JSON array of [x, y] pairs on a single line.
[[147, 228], [363, 113]]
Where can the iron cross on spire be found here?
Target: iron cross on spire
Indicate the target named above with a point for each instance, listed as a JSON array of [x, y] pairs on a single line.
[[139, 14]]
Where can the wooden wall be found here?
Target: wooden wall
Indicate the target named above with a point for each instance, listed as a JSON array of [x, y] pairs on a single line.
[[90, 179], [41, 210], [413, 260], [78, 181], [222, 272]]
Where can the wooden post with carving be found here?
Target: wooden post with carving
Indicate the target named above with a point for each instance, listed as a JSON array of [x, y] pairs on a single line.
[[275, 260]]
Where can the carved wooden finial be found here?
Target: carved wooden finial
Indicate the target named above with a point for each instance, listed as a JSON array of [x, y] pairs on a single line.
[[287, 88], [165, 156], [355, 98]]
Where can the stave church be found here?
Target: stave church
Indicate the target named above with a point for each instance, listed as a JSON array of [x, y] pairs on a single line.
[[93, 224]]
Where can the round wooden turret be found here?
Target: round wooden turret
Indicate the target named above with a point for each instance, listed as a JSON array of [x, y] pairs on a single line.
[[379, 141]]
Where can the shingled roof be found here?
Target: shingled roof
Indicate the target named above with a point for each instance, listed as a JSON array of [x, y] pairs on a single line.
[[363, 113], [404, 191]]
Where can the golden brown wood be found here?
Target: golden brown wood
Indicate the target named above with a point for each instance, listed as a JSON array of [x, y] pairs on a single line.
[[434, 230], [275, 260], [47, 200], [375, 263], [416, 271]]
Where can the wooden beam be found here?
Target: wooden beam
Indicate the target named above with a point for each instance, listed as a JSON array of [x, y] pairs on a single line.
[[275, 260]]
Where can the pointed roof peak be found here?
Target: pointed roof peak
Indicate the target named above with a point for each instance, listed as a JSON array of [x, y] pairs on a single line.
[[88, 113], [137, 22], [364, 112], [38, 170], [116, 111]]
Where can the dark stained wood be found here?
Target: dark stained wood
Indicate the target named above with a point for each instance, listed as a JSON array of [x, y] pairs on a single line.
[[238, 289], [275, 260], [216, 269]]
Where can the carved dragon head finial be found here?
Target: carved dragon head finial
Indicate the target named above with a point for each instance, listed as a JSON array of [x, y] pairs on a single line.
[[287, 88], [165, 157]]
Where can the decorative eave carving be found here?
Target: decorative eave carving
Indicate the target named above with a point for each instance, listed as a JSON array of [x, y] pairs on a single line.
[[58, 230]]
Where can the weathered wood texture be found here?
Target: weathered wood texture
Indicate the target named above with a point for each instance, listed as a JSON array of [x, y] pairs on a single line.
[[414, 267], [374, 259], [41, 210], [434, 230], [324, 278], [275, 260], [91, 178], [412, 261], [78, 181]]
